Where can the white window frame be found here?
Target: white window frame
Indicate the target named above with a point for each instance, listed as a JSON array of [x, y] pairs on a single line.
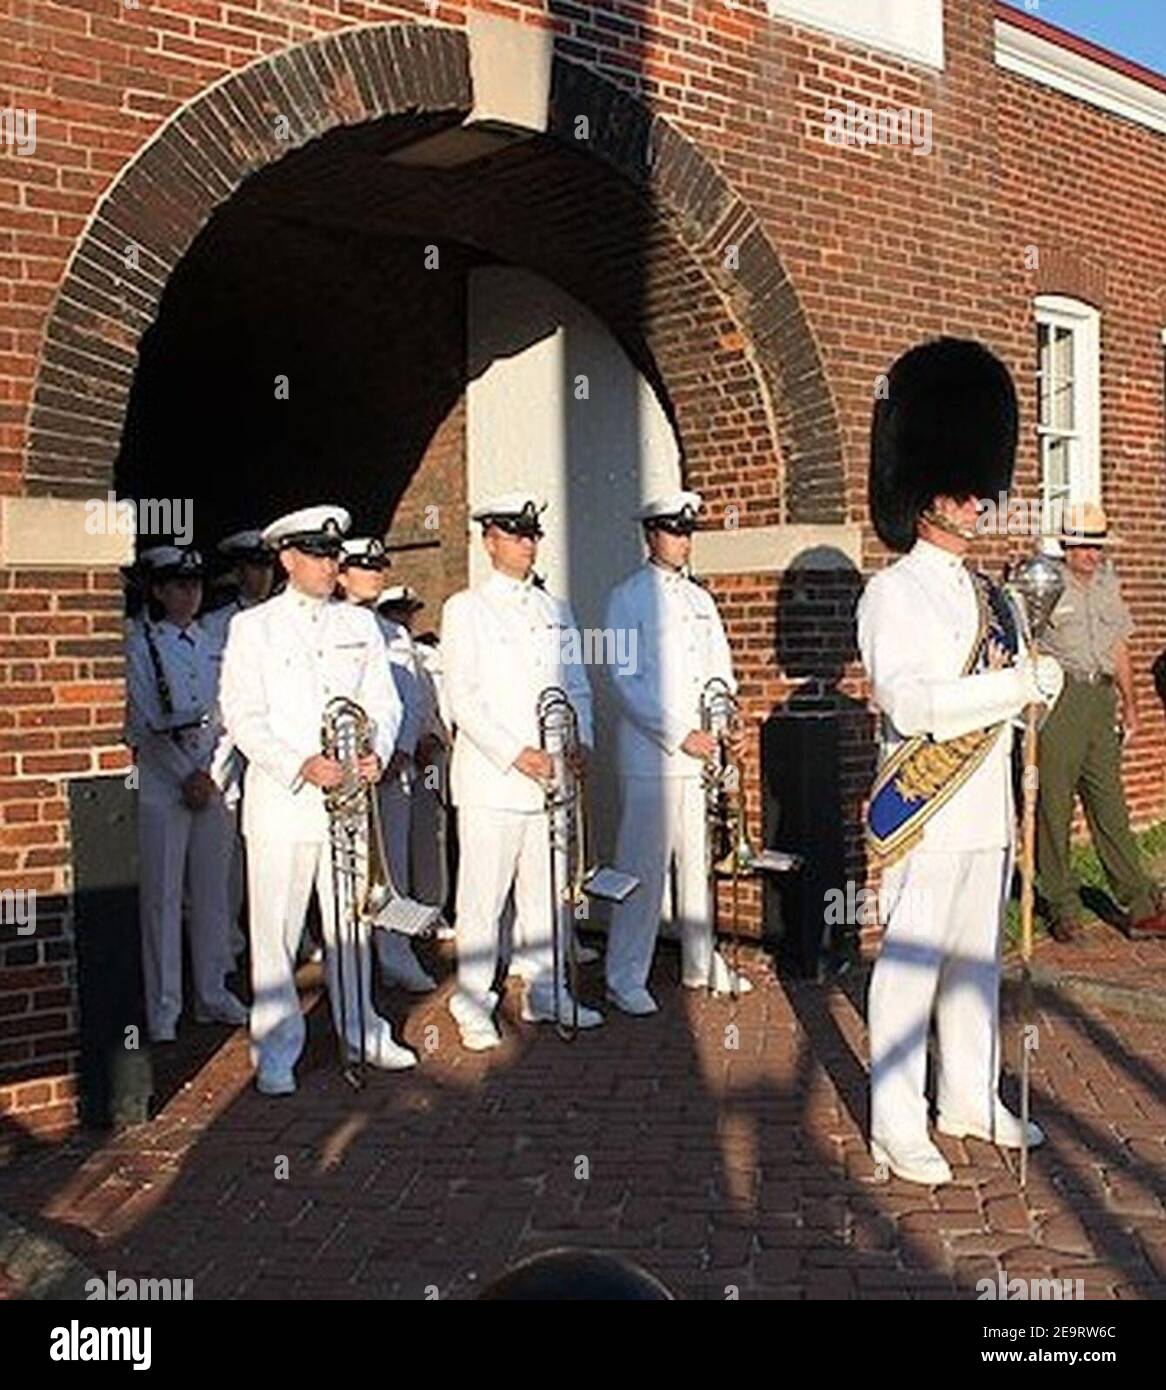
[[911, 29], [1084, 323]]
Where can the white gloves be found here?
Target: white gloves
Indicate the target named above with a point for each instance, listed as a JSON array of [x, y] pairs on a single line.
[[1043, 680]]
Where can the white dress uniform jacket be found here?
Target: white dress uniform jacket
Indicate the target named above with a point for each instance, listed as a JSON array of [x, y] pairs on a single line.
[[284, 660], [502, 645], [916, 623], [679, 645]]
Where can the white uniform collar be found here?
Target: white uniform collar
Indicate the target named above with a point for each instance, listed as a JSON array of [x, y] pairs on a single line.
[[304, 603], [503, 584], [665, 573], [935, 557]]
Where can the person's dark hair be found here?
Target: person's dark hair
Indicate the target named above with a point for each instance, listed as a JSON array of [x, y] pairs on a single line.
[[555, 1275]]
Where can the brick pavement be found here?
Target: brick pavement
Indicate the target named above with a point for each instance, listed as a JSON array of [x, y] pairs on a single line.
[[714, 1167]]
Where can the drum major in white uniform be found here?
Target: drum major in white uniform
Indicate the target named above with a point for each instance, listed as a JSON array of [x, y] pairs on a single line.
[[941, 815]]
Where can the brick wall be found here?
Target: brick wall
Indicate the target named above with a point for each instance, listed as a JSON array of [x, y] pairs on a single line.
[[60, 717], [761, 277]]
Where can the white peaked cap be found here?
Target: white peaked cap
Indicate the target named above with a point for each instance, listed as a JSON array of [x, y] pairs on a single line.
[[400, 596], [507, 504], [365, 547], [670, 504], [308, 521]]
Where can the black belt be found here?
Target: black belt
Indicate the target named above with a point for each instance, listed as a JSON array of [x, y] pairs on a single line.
[[1090, 677]]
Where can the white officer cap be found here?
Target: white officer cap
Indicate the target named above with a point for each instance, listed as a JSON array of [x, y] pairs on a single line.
[[364, 553], [169, 561], [244, 545], [671, 506], [316, 530], [515, 512], [401, 596]]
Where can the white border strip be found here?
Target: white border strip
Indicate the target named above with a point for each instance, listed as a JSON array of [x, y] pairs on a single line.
[[1029, 55]]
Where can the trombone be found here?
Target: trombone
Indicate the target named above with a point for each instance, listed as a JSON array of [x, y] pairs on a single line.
[[362, 888], [565, 800], [730, 853]]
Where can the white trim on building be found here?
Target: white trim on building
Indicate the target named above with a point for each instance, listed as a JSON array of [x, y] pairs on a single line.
[[1030, 55]]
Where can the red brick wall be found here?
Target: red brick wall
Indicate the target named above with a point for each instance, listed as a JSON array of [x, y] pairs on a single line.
[[1087, 191], [60, 716]]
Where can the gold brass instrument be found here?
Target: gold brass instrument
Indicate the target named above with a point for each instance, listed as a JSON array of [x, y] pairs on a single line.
[[730, 853], [573, 878], [360, 877], [565, 802]]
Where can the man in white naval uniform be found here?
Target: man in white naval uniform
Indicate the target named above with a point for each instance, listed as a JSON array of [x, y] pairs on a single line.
[[662, 751], [944, 436], [284, 661], [503, 645], [173, 726], [362, 581]]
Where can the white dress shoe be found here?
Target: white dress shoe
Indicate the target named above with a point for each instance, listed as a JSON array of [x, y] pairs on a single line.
[[634, 1001], [399, 966], [275, 1082], [1004, 1129], [382, 1051], [539, 1009], [475, 1024], [919, 1162], [523, 969], [722, 978], [226, 1009], [443, 931]]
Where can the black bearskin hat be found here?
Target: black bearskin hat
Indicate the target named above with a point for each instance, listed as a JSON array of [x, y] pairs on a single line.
[[947, 427]]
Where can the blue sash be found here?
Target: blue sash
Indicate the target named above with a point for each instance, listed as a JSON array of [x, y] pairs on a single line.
[[922, 775]]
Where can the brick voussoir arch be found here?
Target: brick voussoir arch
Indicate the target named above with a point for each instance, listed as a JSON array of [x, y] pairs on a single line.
[[253, 116]]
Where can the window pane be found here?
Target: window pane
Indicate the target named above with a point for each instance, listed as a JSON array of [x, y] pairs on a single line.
[[1056, 466], [1063, 411], [1042, 372]]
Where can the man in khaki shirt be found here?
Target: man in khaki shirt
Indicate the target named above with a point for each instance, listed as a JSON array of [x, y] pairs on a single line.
[[1080, 751]]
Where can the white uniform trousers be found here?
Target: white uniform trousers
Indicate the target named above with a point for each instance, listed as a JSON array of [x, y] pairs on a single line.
[[280, 875], [661, 817], [941, 952], [498, 849], [181, 848]]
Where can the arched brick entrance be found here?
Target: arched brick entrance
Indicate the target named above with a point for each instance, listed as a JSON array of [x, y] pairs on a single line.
[[719, 324]]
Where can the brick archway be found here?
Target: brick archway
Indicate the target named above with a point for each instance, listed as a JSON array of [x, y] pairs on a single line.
[[727, 337]]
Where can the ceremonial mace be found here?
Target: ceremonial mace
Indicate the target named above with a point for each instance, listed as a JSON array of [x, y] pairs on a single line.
[[1035, 585]]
